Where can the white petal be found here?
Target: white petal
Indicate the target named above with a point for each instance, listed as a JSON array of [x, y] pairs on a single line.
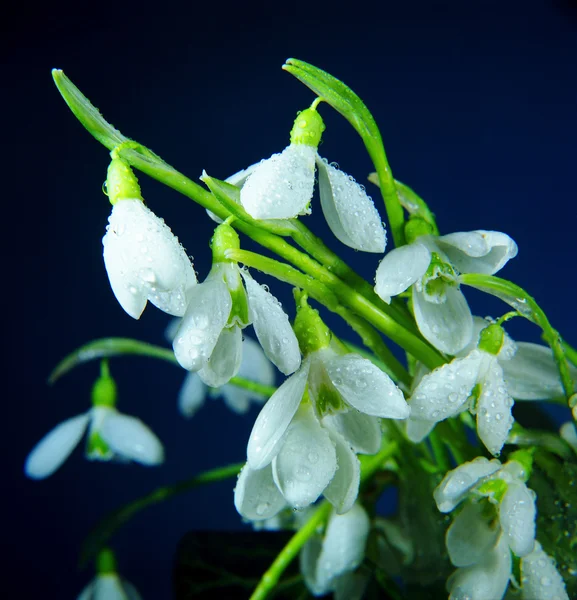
[[145, 260], [568, 432], [308, 559], [365, 387], [87, 593], [351, 586], [442, 393], [272, 327], [471, 535], [540, 579], [224, 362], [130, 438], [191, 395], [255, 366], [349, 212], [343, 545], [448, 326], [532, 373], [208, 310], [361, 431], [273, 420], [343, 489], [281, 187], [478, 325], [108, 587], [400, 268], [494, 418], [459, 481], [478, 251], [256, 496], [517, 515], [487, 580], [417, 429], [55, 447], [306, 462], [131, 592]]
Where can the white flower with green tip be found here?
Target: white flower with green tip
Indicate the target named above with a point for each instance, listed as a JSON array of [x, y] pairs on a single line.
[[431, 265], [108, 585], [474, 382], [497, 517], [304, 444], [143, 259], [254, 366], [209, 338], [281, 187], [111, 435]]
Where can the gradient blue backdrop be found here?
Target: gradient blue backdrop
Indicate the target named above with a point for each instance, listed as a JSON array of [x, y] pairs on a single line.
[[476, 104]]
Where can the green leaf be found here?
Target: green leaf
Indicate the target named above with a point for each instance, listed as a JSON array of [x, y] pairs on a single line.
[[348, 104], [527, 307]]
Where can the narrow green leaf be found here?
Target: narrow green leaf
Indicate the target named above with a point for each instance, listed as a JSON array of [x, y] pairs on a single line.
[[527, 307], [348, 104]]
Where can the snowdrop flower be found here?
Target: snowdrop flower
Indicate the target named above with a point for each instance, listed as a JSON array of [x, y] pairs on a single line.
[[209, 339], [431, 264], [108, 585], [143, 259], [328, 562], [111, 434], [474, 382], [254, 366], [281, 187], [303, 443], [540, 579], [497, 518]]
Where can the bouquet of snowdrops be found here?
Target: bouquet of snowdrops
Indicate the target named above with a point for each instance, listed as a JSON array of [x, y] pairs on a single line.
[[487, 507]]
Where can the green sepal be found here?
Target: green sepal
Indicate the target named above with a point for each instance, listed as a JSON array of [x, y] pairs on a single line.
[[308, 128], [491, 339], [104, 388], [106, 562], [311, 331], [121, 182]]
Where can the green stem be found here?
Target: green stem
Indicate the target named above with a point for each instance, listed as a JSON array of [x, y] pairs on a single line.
[[107, 347], [347, 296], [271, 577], [570, 352], [104, 530]]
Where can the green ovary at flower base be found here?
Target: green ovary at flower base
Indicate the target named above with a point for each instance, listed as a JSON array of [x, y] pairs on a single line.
[[305, 439]]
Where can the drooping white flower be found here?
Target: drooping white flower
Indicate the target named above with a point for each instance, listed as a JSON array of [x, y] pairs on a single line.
[[474, 382], [281, 187], [497, 518], [209, 338], [305, 445], [327, 562], [108, 585], [254, 366], [111, 435], [431, 265], [143, 259]]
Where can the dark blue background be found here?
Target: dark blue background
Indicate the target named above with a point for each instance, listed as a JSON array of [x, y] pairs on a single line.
[[476, 104]]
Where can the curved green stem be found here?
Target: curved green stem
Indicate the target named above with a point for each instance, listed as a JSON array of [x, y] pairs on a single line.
[[104, 530], [108, 347]]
